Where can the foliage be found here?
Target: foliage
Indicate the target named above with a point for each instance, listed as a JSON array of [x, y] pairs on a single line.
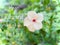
[[12, 31]]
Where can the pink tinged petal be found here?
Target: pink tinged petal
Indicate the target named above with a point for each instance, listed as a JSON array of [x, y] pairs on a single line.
[[31, 28], [26, 21], [32, 15], [1, 20], [37, 26], [40, 17]]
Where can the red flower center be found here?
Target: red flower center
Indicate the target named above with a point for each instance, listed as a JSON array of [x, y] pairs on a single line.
[[34, 20]]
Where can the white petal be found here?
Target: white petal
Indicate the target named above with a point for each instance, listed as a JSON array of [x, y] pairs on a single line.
[[32, 14], [37, 26], [40, 17], [26, 21], [31, 28]]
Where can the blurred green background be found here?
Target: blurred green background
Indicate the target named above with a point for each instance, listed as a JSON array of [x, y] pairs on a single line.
[[13, 12]]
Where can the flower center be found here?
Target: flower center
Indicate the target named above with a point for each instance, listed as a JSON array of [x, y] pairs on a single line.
[[34, 20]]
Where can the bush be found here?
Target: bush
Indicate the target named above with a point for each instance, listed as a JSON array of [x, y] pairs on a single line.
[[13, 31]]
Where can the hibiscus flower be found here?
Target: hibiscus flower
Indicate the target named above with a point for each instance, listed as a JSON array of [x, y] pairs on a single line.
[[33, 21]]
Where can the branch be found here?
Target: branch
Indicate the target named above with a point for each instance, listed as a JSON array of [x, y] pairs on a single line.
[[18, 7]]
